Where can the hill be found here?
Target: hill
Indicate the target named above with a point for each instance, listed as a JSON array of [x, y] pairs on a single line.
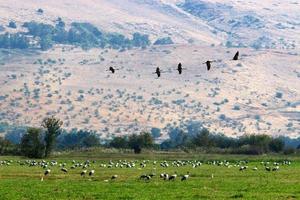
[[258, 94]]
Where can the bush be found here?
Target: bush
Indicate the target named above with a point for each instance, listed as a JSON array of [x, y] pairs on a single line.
[[84, 35], [119, 143], [46, 43], [276, 145], [279, 95], [163, 41], [140, 40], [155, 132], [289, 150], [7, 147], [40, 11], [12, 24], [134, 141], [14, 41], [39, 29], [2, 28], [78, 139]]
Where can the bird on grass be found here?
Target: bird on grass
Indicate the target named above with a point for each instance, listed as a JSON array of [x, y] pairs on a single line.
[[92, 172], [173, 177], [185, 177], [114, 177], [64, 170], [83, 172], [47, 172]]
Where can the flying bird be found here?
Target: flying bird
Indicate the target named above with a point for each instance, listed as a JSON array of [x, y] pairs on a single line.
[[157, 71], [112, 69], [236, 56], [208, 64], [179, 68]]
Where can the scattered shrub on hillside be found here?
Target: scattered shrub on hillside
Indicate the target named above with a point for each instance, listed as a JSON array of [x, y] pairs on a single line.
[[14, 41], [40, 11], [163, 41], [12, 24]]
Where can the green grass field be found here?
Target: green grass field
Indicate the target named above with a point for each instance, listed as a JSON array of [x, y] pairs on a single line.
[[24, 182]]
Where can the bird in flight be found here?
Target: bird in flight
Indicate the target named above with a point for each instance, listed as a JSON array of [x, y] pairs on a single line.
[[157, 71], [112, 69], [236, 56], [208, 64], [179, 68]]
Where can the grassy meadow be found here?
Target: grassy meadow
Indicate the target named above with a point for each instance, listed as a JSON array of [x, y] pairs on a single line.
[[207, 181]]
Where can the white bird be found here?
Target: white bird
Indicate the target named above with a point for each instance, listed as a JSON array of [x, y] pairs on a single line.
[[173, 177], [64, 170], [92, 172], [47, 172], [83, 172], [185, 177], [114, 177]]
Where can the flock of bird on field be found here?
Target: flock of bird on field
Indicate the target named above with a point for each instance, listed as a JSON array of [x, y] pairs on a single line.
[[88, 168], [158, 71]]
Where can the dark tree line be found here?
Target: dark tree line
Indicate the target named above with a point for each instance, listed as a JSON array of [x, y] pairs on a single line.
[[206, 141], [14, 41], [84, 35], [77, 139], [134, 141], [40, 142]]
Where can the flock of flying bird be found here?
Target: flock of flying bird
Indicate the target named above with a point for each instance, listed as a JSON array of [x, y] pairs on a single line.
[[158, 71], [87, 168]]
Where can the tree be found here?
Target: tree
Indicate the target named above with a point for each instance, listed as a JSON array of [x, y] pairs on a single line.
[[137, 142], [119, 142], [257, 143], [90, 140], [163, 41], [46, 43], [53, 126], [203, 139], [140, 40], [7, 147], [276, 145], [40, 11], [155, 132], [31, 144]]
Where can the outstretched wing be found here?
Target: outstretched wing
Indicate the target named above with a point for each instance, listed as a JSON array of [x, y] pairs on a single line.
[[236, 56]]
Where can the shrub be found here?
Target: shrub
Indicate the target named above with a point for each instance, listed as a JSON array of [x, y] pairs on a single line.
[[12, 24], [40, 11], [276, 145], [289, 150], [163, 41]]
